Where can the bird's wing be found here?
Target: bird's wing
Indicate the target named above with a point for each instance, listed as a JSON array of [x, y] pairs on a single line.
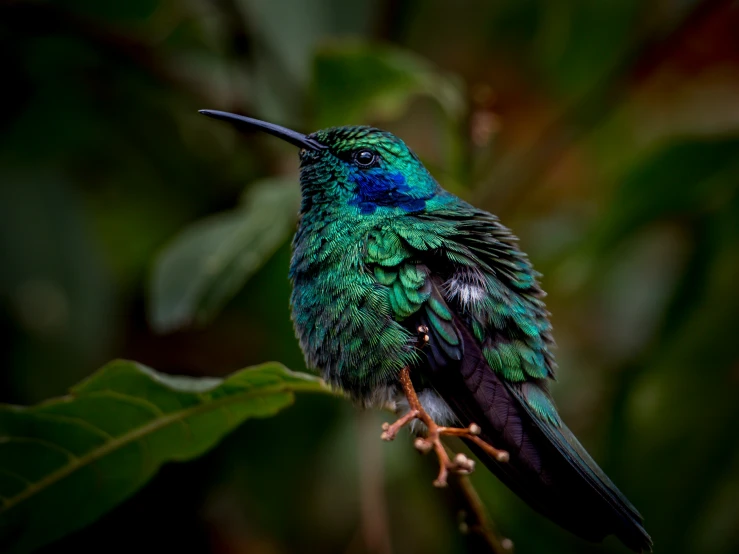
[[459, 272]]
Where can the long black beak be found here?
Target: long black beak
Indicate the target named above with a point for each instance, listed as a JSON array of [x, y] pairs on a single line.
[[241, 122]]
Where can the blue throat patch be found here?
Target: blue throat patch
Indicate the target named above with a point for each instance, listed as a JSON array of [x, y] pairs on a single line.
[[383, 188]]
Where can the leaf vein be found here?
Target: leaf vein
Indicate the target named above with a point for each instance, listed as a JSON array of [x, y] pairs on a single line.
[[14, 475], [34, 440], [142, 431], [78, 421], [134, 400]]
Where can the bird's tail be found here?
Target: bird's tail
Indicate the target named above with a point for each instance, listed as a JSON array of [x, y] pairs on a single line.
[[548, 468]]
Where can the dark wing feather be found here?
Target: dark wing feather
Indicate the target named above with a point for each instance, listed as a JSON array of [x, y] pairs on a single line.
[[548, 467], [458, 271]]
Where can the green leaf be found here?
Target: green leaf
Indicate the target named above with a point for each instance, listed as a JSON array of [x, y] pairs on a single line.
[[210, 261], [65, 462], [286, 34], [354, 81]]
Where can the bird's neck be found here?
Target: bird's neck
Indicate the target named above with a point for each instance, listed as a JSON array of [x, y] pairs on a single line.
[[326, 235]]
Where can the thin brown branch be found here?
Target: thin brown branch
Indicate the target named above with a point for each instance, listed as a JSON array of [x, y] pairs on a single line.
[[463, 500], [474, 521], [465, 505]]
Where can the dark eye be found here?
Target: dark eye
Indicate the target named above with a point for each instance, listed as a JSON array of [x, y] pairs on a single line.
[[365, 158]]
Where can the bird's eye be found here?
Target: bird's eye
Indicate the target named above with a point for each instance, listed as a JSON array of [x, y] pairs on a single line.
[[365, 158]]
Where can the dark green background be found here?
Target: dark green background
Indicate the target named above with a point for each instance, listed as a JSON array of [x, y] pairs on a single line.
[[605, 134]]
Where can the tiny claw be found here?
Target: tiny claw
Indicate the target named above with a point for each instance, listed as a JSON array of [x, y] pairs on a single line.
[[432, 441], [440, 483], [463, 464], [423, 446]]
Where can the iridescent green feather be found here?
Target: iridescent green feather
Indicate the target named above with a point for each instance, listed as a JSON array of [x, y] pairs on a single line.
[[382, 247], [367, 273]]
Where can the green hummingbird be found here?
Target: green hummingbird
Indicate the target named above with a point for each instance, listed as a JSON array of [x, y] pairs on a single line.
[[405, 295]]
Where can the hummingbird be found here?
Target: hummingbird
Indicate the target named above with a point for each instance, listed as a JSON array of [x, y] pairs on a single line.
[[405, 295]]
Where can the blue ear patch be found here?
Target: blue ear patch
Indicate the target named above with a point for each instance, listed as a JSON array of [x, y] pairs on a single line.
[[376, 187]]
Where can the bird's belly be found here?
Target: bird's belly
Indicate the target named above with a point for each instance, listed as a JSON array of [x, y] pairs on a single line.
[[344, 325], [433, 405], [391, 397]]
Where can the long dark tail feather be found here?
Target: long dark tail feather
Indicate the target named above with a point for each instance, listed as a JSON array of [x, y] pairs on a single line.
[[548, 467]]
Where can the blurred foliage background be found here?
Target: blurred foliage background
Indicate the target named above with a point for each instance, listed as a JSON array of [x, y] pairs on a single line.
[[606, 135]]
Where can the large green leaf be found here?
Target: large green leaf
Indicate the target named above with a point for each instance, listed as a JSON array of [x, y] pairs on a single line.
[[210, 261], [65, 462], [355, 81]]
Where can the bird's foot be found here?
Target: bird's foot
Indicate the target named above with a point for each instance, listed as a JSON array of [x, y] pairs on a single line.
[[389, 432], [432, 441]]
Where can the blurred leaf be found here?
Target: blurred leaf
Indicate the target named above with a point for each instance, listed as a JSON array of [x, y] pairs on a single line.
[[132, 10], [65, 462], [680, 179], [679, 182], [578, 43], [210, 261], [285, 37], [355, 81]]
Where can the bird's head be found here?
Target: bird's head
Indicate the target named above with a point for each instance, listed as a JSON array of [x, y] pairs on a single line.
[[362, 168]]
